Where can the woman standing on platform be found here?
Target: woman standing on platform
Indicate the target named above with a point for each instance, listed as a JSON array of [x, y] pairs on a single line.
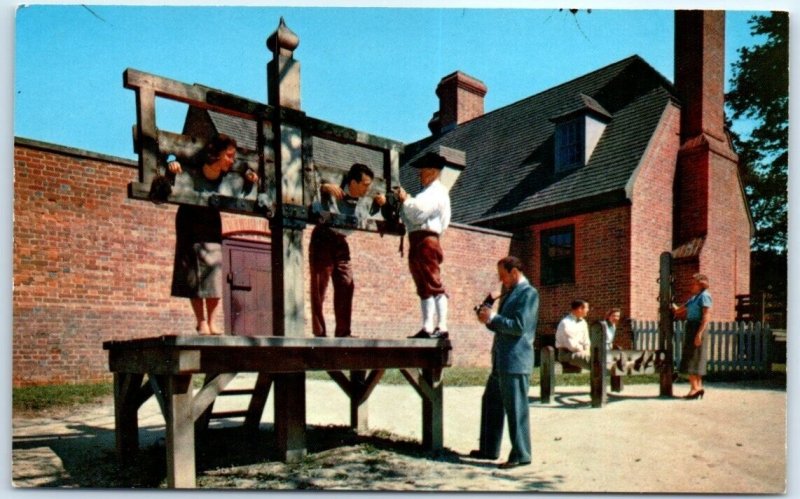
[[197, 271], [697, 312]]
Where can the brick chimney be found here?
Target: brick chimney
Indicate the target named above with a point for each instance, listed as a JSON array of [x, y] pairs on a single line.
[[460, 100], [699, 80], [700, 71], [711, 219]]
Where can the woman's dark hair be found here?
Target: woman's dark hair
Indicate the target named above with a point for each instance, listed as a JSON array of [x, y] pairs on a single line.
[[510, 262], [216, 146]]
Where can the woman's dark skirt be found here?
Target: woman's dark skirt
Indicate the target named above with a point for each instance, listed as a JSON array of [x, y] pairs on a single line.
[[694, 359]]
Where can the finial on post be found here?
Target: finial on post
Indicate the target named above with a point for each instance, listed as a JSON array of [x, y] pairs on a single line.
[[283, 41]]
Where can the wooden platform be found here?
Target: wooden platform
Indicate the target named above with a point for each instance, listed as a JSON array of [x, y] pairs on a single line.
[[163, 366]]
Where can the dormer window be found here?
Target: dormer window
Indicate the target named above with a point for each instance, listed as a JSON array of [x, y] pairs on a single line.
[[578, 130], [569, 145]]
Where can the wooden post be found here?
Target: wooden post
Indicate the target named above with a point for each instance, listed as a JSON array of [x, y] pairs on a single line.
[[290, 415], [283, 84], [547, 374], [180, 432], [359, 414], [665, 323], [599, 367], [432, 410], [126, 414]]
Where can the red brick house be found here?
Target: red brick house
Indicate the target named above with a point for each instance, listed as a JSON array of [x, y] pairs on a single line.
[[589, 182], [600, 175]]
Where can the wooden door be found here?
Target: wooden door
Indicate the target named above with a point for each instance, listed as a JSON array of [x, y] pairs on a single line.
[[248, 288]]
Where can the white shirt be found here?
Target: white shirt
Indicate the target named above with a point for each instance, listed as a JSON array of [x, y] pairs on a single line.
[[429, 210], [573, 334]]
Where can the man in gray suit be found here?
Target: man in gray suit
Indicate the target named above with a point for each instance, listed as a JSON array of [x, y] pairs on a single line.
[[506, 393]]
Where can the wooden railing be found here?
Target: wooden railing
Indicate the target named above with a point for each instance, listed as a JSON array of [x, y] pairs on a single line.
[[734, 346]]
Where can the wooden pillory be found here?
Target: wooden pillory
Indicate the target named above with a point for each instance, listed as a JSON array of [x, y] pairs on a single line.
[[615, 364], [283, 156]]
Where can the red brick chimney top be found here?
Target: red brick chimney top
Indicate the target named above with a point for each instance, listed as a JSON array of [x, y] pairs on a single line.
[[460, 100]]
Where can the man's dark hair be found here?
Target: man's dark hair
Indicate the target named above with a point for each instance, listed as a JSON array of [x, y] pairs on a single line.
[[510, 262], [576, 304], [357, 172]]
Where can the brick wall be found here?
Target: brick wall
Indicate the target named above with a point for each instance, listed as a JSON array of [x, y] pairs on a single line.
[[91, 265], [602, 266], [726, 253], [386, 304], [652, 215]]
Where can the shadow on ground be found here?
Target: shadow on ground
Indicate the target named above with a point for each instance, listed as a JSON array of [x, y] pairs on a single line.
[[231, 456]]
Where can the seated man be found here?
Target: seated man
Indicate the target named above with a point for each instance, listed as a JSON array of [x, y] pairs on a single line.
[[572, 337]]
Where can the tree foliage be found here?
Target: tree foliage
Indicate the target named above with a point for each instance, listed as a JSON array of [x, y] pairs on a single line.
[[760, 94]]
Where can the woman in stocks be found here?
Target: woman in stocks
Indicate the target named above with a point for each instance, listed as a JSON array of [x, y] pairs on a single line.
[[697, 313], [197, 271]]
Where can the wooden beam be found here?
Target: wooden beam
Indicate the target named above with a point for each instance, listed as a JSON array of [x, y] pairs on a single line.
[[126, 419], [290, 415], [342, 380], [212, 387], [432, 411], [258, 400], [180, 432], [547, 374], [665, 327], [154, 361]]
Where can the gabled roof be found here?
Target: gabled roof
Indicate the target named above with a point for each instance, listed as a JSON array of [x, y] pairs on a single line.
[[327, 153], [510, 151]]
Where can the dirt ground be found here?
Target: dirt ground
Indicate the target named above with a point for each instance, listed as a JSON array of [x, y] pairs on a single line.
[[734, 441]]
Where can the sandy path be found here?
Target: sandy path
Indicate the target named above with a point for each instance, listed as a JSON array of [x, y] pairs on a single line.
[[733, 441]]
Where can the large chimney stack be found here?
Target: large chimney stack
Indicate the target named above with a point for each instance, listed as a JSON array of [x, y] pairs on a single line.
[[700, 71], [711, 232], [460, 100]]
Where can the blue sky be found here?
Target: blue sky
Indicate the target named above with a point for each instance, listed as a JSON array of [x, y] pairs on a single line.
[[373, 69]]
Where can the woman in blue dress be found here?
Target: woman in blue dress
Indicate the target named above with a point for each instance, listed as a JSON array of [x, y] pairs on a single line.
[[697, 313]]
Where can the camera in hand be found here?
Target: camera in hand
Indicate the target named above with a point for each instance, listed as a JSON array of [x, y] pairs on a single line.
[[390, 212], [488, 302]]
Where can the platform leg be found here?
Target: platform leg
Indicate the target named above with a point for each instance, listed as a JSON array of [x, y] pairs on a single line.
[[359, 414], [180, 432], [126, 415], [432, 411], [290, 415]]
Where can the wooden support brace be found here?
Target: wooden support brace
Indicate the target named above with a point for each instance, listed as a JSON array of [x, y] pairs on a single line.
[[203, 402], [157, 384], [258, 400]]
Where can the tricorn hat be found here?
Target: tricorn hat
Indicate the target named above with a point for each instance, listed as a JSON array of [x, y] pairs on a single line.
[[430, 159]]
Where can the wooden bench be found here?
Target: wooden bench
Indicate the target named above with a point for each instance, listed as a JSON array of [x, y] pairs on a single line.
[[618, 363]]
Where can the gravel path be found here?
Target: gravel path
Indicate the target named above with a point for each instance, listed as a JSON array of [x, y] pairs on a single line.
[[732, 441]]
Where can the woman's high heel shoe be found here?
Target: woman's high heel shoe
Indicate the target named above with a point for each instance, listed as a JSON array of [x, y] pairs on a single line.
[[696, 395]]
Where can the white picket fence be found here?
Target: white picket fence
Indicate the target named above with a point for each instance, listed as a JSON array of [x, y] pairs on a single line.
[[734, 346]]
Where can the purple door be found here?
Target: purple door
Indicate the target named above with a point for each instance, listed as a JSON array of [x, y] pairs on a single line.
[[248, 288]]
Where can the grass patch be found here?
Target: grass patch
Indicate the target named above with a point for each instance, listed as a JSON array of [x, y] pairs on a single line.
[[37, 398]]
